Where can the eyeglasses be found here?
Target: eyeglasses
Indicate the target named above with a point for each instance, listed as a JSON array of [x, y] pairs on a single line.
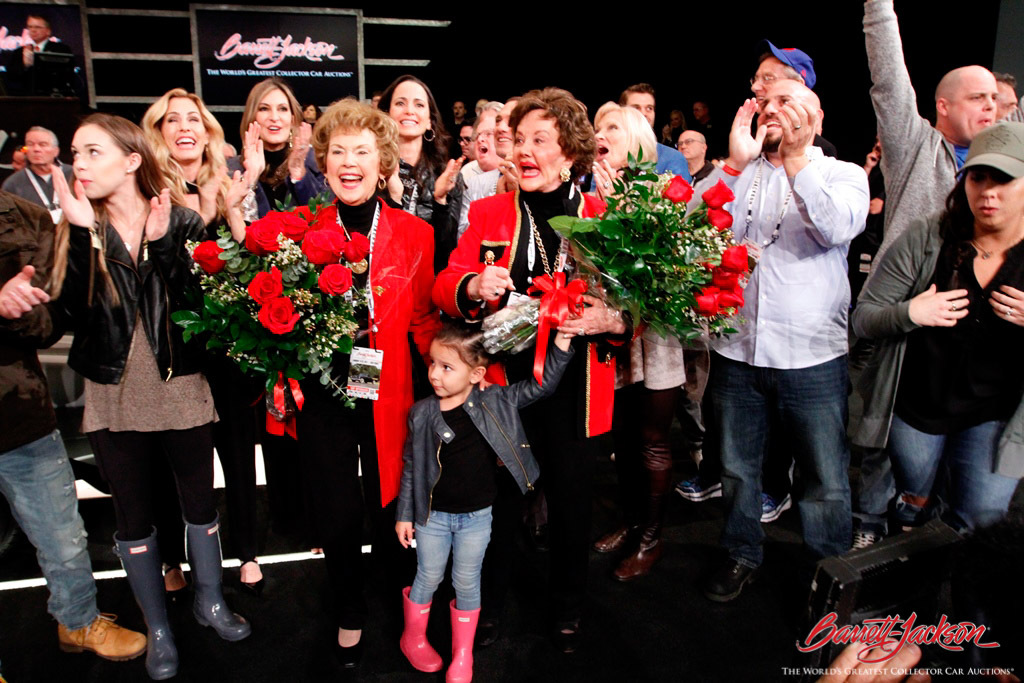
[[465, 138], [767, 79], [684, 143]]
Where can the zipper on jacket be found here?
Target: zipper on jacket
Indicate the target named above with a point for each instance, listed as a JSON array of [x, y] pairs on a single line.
[[170, 336], [529, 484], [430, 502]]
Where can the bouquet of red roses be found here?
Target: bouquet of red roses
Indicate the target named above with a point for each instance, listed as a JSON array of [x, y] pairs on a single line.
[[281, 303], [680, 274]]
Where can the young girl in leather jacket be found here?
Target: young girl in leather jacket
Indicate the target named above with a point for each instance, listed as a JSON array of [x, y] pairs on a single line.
[[456, 440]]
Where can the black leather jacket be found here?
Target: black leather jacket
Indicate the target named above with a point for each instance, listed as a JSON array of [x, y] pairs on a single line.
[[148, 293], [495, 413]]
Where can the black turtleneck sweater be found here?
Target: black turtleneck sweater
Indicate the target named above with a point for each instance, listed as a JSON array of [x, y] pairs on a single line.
[[543, 207]]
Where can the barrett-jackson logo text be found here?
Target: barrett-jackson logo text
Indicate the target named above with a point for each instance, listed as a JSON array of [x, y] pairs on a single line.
[[269, 52]]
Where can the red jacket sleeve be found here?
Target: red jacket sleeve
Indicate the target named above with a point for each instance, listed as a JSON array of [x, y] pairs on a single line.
[[463, 264], [425, 322]]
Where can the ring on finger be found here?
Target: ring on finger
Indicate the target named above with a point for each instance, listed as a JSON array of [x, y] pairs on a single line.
[[797, 127], [952, 307]]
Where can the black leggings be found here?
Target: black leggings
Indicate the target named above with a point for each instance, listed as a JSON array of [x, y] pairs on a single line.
[[332, 440], [127, 463]]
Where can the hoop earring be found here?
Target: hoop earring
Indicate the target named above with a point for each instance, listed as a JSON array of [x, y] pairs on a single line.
[[382, 184], [564, 175], [432, 136]]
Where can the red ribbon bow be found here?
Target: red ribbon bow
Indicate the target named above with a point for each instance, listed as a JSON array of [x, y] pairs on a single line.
[[287, 425], [557, 302]]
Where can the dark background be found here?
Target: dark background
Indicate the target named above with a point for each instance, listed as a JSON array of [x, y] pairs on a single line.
[[686, 51]]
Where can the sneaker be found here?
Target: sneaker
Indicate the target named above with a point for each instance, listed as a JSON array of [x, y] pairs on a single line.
[[771, 510], [862, 538], [104, 637], [696, 491]]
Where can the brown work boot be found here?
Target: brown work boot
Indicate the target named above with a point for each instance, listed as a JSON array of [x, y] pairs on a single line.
[[639, 563], [105, 638]]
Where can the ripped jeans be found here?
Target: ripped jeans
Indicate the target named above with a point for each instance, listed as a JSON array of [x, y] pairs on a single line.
[[37, 481]]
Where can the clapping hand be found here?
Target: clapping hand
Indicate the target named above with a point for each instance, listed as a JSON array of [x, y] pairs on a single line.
[[159, 219], [509, 180], [297, 159], [604, 177], [446, 181], [77, 207], [252, 155], [799, 121], [932, 308], [744, 147], [18, 296], [208, 192]]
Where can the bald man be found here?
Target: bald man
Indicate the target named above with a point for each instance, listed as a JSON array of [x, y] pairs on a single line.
[[797, 211], [920, 161], [919, 166]]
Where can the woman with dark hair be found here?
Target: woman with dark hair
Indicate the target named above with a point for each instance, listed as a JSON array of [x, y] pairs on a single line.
[[187, 142], [425, 176], [510, 242], [120, 270], [310, 114], [276, 151], [946, 305]]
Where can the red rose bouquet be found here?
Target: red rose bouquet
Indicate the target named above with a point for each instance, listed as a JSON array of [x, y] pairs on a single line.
[[281, 303], [679, 273]]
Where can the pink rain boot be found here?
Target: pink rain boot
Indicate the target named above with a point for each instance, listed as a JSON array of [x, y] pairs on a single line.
[[463, 631], [414, 643]]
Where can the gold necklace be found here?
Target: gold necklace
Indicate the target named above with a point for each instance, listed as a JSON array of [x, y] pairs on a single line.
[[538, 241]]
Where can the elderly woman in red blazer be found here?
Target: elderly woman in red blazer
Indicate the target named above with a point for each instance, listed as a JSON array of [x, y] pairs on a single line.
[[357, 148], [509, 243]]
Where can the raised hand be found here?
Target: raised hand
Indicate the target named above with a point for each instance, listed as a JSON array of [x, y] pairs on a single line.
[[932, 308], [604, 177], [446, 181], [297, 158], [18, 296], [799, 121], [252, 155], [744, 147], [395, 187], [159, 219], [509, 180], [77, 207], [208, 192]]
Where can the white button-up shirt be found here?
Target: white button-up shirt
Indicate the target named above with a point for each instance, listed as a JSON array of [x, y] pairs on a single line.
[[798, 297]]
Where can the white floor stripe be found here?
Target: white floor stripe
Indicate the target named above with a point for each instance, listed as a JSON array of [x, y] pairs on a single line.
[[119, 573]]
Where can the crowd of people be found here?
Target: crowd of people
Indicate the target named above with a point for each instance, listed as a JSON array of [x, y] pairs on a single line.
[[458, 447]]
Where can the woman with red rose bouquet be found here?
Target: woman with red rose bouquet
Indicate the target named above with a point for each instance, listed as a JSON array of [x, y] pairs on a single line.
[[188, 142], [120, 268], [389, 255]]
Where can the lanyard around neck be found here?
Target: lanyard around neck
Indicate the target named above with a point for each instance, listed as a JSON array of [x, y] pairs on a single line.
[[372, 237], [754, 189]]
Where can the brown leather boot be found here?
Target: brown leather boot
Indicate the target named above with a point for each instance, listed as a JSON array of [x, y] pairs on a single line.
[[639, 563], [614, 540], [105, 638]]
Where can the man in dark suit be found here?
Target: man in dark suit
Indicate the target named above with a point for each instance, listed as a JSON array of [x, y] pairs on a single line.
[[25, 75]]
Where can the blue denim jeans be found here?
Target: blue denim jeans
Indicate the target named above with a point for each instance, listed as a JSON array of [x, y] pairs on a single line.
[[810, 404], [465, 535], [876, 490], [37, 481], [978, 496]]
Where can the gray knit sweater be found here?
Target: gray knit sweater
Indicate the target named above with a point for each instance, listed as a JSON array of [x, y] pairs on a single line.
[[917, 162]]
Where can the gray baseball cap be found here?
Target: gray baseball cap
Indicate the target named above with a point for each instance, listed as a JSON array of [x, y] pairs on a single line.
[[1000, 146]]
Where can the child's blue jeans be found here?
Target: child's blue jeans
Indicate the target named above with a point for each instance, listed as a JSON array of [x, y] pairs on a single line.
[[464, 534]]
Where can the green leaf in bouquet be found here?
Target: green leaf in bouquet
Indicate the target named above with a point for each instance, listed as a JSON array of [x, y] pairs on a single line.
[[185, 317], [612, 229], [293, 372], [225, 242], [345, 345], [564, 225], [236, 330], [235, 264], [246, 342], [325, 378]]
